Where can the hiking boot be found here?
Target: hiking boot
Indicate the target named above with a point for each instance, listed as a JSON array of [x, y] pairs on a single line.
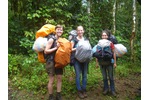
[[114, 93], [80, 94], [84, 94], [58, 96], [51, 97], [105, 91]]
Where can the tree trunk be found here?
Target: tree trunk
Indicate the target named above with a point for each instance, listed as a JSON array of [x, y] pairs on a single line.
[[88, 11], [133, 31], [114, 17]]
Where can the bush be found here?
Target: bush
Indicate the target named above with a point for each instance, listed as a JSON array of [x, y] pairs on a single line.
[[27, 73], [14, 64]]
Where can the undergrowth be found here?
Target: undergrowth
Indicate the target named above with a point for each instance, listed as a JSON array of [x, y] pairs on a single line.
[[26, 73]]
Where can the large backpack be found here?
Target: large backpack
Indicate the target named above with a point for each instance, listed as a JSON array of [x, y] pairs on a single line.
[[83, 51], [103, 52], [62, 56], [44, 31]]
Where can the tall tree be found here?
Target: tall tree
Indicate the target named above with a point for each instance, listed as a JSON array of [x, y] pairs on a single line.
[[114, 17], [133, 30], [88, 11]]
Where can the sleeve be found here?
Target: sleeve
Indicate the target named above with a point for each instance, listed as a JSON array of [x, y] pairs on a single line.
[[112, 46]]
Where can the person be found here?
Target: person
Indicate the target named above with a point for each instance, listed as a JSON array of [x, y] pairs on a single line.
[[80, 67], [108, 68], [50, 50], [111, 37]]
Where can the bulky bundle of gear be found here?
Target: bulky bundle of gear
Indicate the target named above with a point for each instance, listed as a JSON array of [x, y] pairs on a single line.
[[41, 40], [120, 50], [83, 51], [62, 55], [103, 52]]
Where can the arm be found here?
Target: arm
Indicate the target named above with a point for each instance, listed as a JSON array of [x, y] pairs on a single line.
[[73, 49], [114, 56], [48, 46]]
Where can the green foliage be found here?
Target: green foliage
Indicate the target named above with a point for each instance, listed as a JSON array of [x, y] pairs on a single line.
[[94, 75], [26, 17], [28, 41], [122, 71], [26, 73], [69, 81], [14, 64], [126, 67]]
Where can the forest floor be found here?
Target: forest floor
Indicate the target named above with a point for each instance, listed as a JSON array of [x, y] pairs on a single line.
[[127, 88]]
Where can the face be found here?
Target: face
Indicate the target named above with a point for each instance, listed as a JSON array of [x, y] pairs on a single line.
[[80, 31], [59, 31], [104, 36]]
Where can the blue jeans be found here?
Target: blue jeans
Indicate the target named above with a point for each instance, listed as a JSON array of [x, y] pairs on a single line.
[[81, 68], [108, 70]]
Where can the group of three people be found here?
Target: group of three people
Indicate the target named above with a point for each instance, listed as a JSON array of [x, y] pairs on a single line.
[[79, 67]]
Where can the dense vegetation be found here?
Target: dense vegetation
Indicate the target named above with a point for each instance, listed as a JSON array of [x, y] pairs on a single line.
[[27, 16]]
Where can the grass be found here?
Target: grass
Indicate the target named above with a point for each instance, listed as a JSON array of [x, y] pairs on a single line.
[[36, 79]]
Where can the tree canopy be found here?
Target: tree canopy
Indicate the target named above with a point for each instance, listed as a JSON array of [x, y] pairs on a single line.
[[26, 17]]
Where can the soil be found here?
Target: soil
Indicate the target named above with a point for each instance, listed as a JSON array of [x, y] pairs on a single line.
[[127, 88]]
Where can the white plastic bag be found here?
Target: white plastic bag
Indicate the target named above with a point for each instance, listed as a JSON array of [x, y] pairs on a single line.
[[39, 44], [120, 50], [83, 51], [104, 43]]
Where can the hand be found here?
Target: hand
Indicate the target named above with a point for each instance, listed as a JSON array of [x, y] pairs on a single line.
[[58, 45], [115, 65]]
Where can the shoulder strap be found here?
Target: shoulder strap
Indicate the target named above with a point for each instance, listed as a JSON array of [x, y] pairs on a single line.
[[52, 35], [50, 57], [75, 41]]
